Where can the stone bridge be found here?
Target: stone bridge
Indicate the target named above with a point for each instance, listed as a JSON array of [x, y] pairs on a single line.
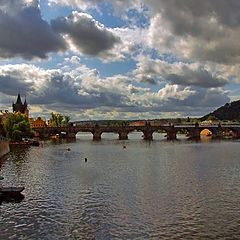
[[192, 131]]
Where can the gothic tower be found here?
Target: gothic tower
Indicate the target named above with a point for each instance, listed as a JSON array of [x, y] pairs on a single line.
[[20, 107]]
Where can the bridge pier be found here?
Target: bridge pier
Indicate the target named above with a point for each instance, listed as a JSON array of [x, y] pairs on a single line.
[[97, 135], [123, 135], [171, 135], [195, 134], [216, 134], [148, 135], [71, 135], [237, 134], [42, 135]]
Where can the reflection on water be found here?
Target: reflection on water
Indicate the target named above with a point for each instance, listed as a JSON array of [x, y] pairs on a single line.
[[148, 190], [16, 199]]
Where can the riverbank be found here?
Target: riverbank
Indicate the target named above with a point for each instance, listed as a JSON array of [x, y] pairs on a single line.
[[4, 147]]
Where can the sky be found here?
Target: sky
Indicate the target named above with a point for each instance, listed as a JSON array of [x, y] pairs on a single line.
[[139, 59]]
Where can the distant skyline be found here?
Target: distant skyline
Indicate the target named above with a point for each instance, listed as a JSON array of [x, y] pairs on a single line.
[[96, 59]]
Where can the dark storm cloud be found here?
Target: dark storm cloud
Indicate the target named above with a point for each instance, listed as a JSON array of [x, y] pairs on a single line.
[[10, 84], [89, 36], [197, 104], [199, 77], [24, 33], [155, 71]]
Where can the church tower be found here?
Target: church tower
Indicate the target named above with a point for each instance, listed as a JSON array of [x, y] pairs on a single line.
[[20, 107]]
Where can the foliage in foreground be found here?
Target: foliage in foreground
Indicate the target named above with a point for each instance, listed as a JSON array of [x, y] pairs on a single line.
[[17, 127]]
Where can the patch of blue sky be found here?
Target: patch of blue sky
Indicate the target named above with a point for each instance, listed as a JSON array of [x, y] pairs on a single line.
[[154, 88], [53, 62], [138, 18], [13, 61], [54, 11], [234, 90], [110, 69], [105, 14], [166, 57]]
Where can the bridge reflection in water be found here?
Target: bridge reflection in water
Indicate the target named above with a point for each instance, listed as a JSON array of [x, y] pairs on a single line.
[[171, 131]]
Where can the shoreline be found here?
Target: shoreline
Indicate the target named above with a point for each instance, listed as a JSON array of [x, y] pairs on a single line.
[[4, 147]]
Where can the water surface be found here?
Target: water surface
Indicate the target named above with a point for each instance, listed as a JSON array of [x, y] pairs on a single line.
[[148, 190]]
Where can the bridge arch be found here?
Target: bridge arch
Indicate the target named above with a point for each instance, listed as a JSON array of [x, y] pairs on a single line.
[[109, 135], [135, 134], [84, 135], [230, 132], [182, 133], [206, 133]]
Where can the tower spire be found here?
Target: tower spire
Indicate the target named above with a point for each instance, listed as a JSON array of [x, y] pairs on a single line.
[[19, 106], [19, 101], [25, 102]]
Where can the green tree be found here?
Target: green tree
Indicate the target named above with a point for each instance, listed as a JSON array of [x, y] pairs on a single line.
[[17, 126], [58, 120], [212, 118]]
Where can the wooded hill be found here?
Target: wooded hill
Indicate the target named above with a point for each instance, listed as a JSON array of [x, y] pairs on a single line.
[[230, 111]]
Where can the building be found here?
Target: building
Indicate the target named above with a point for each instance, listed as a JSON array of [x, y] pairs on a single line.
[[37, 123], [20, 107], [3, 115], [138, 123]]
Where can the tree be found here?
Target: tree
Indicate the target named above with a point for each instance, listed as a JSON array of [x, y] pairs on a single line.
[[17, 126], [58, 120], [212, 118]]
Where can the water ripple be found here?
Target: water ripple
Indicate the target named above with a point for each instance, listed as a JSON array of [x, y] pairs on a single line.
[[148, 191]]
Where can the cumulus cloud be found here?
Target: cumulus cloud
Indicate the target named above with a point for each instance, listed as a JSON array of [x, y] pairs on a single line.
[[206, 30], [88, 35], [24, 33], [201, 39], [186, 74], [83, 89], [201, 30]]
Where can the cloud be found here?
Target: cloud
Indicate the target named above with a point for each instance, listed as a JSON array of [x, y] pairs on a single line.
[[24, 33], [186, 74], [24, 78], [200, 30], [119, 5], [203, 30], [83, 89], [85, 33], [79, 4]]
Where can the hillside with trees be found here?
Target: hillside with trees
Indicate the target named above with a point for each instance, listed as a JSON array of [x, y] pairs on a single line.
[[230, 111]]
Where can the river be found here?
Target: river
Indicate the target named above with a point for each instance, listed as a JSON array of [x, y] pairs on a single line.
[[145, 190]]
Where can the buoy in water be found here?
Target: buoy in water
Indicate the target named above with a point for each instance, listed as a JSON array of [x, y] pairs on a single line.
[[124, 146], [68, 149], [85, 159]]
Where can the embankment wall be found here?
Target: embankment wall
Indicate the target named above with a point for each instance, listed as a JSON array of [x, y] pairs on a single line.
[[4, 147]]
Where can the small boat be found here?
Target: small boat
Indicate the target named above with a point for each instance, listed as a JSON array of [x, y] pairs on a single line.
[[11, 194], [35, 143], [10, 191], [32, 142]]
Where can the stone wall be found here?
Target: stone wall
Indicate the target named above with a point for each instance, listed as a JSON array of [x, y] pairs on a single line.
[[4, 147]]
